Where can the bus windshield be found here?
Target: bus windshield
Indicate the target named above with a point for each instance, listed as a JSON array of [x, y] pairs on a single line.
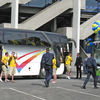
[[54, 38]]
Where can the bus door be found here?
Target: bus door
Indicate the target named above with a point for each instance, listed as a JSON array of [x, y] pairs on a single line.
[[61, 52]]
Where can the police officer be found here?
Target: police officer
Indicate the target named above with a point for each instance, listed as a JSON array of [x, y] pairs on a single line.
[[91, 66], [46, 62]]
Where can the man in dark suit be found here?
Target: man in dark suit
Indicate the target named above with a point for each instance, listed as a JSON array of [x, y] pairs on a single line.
[[47, 62], [92, 69], [78, 65]]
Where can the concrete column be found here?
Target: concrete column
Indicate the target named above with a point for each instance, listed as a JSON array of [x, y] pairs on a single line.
[[76, 28], [14, 13], [54, 25]]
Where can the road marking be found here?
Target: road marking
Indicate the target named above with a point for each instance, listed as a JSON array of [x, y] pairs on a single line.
[[79, 92], [27, 94]]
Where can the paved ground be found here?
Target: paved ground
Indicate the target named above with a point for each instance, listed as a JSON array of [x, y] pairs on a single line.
[[33, 89]]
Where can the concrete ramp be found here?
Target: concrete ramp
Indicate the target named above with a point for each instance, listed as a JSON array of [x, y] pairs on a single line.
[[3, 2], [46, 15], [86, 27]]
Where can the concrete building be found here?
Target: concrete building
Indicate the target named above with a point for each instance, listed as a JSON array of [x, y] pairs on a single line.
[[73, 18]]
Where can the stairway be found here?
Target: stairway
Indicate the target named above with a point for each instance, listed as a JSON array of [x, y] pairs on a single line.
[[86, 27], [46, 15]]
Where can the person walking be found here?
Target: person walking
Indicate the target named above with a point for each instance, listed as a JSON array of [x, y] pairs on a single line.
[[46, 62], [54, 70], [68, 61], [12, 66], [78, 65], [4, 66], [92, 67]]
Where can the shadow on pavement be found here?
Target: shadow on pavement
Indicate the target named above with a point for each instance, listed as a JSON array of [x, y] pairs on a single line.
[[38, 84]]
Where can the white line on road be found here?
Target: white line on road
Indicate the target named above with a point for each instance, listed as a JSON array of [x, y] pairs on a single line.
[[79, 92], [27, 94]]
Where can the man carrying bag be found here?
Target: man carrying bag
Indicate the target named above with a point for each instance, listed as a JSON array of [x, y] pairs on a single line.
[[46, 62]]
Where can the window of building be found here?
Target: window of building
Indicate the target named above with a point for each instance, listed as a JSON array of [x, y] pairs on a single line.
[[92, 6], [37, 39], [1, 37], [54, 38], [38, 3], [15, 38]]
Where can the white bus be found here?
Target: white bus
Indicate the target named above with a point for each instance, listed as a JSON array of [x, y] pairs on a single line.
[[30, 46]]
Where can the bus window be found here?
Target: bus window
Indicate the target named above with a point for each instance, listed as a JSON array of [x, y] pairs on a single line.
[[63, 39], [54, 38], [1, 37], [15, 38], [37, 39]]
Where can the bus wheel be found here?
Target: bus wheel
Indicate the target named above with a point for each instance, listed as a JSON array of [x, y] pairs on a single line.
[[42, 74]]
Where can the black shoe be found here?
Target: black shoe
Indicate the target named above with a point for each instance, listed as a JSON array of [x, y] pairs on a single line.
[[45, 82], [76, 78], [95, 87], [84, 87]]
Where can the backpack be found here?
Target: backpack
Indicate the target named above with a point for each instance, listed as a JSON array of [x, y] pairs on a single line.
[[57, 63]]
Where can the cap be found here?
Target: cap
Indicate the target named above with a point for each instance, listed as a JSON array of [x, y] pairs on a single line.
[[92, 53]]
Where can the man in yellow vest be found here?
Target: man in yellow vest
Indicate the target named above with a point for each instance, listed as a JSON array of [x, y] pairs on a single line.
[[68, 61], [4, 66], [54, 70]]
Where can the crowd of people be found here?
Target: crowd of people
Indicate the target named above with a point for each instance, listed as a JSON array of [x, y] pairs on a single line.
[[49, 62]]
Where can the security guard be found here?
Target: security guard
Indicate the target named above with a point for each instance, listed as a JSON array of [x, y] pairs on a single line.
[[91, 66], [46, 62]]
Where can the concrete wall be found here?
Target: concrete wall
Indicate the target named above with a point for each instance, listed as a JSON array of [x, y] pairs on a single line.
[[65, 31], [5, 25]]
